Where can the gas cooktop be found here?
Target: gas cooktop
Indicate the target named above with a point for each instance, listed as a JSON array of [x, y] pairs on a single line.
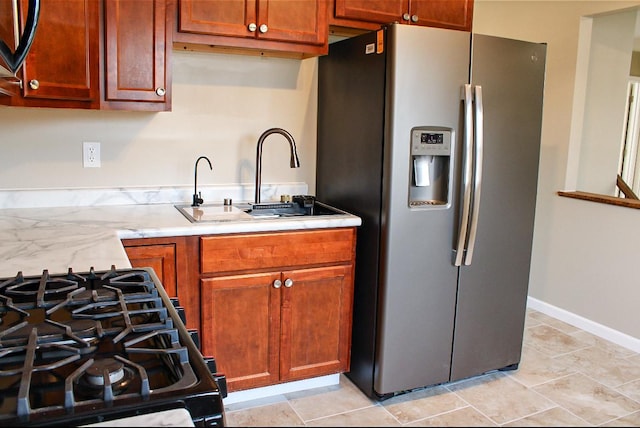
[[80, 348]]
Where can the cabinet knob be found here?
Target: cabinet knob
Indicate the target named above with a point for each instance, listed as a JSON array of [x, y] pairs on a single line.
[[252, 27], [405, 16], [160, 92], [277, 283], [264, 28], [414, 18], [34, 84], [288, 282]]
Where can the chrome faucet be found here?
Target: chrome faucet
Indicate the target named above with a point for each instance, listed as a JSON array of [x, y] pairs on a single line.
[[197, 196], [295, 163]]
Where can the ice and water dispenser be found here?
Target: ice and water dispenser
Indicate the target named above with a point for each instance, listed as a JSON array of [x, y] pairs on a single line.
[[431, 167]]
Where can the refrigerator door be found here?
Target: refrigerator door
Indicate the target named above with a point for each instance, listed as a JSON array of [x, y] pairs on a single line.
[[492, 290], [426, 69]]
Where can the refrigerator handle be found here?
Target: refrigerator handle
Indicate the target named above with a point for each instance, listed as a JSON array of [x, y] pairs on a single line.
[[467, 150], [478, 134]]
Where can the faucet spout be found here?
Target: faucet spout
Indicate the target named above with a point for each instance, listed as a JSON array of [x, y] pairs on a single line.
[[293, 163], [197, 196]]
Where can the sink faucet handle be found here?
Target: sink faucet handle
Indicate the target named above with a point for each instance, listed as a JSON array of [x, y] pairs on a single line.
[[197, 199]]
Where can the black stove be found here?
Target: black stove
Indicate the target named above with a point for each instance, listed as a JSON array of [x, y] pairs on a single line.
[[80, 348]]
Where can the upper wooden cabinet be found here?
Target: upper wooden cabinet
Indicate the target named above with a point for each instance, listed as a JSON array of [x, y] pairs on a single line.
[[369, 14], [285, 26], [137, 53], [62, 67], [98, 54]]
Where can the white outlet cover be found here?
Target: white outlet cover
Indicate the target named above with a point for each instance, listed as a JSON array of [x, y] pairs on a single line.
[[91, 154]]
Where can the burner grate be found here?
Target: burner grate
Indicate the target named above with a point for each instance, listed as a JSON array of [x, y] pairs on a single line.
[[78, 342]]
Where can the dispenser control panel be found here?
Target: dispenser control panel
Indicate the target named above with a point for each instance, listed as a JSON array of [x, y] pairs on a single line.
[[430, 141]]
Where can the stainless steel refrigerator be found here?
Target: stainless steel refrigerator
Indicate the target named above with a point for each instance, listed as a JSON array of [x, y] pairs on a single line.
[[432, 137]]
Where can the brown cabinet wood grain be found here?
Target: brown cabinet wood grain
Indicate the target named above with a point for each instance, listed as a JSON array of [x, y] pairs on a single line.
[[174, 260], [62, 68], [370, 14], [290, 28], [137, 54], [277, 307], [98, 54]]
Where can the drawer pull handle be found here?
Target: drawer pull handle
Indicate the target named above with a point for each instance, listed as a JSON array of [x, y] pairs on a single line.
[[288, 282], [34, 84], [277, 283], [252, 27]]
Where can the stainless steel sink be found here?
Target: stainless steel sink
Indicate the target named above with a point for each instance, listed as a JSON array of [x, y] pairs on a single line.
[[249, 211]]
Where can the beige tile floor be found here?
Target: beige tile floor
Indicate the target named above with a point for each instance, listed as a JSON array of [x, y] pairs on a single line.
[[567, 377]]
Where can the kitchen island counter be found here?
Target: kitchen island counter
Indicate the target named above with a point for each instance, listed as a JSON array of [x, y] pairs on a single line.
[[81, 237]]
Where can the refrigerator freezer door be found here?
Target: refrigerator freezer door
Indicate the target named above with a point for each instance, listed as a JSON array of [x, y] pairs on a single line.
[[492, 290], [426, 68]]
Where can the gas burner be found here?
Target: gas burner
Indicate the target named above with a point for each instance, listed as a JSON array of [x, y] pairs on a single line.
[[38, 290], [105, 378], [79, 331], [105, 368]]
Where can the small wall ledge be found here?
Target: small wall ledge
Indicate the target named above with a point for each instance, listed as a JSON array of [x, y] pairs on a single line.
[[602, 199]]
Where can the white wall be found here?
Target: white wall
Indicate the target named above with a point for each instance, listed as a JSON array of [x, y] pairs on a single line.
[[584, 254], [611, 46], [221, 105]]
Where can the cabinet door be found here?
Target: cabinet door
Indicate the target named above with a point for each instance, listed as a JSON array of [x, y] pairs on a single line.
[[62, 63], [316, 322], [136, 51], [175, 262], [282, 28], [298, 21], [379, 11], [162, 259], [217, 18], [241, 328], [454, 14]]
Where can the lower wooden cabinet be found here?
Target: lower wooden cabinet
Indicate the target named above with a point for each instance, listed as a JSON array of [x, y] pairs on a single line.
[[278, 325], [270, 307], [174, 260]]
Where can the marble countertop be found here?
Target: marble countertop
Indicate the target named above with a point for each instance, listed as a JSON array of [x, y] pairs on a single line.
[[81, 237]]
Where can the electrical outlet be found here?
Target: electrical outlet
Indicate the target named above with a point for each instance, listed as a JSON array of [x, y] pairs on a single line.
[[90, 154]]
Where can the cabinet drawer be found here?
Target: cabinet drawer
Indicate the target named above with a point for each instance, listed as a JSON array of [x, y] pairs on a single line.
[[250, 252]]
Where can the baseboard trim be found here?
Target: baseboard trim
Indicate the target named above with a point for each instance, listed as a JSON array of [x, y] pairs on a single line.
[[599, 330], [282, 388]]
